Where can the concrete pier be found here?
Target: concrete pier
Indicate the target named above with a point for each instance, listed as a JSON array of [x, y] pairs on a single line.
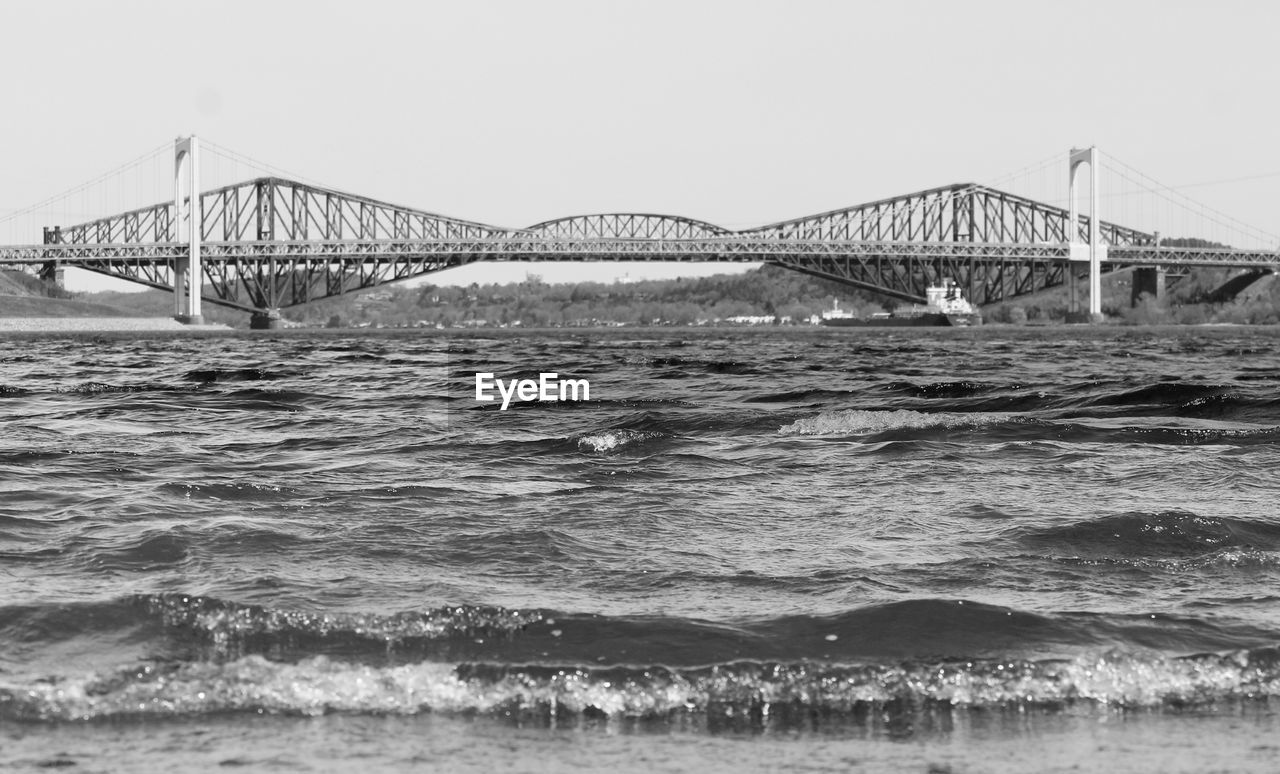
[[265, 320], [1147, 280]]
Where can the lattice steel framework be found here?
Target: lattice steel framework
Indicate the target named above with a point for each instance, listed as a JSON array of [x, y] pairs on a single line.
[[626, 226], [954, 215], [272, 243], [269, 209], [963, 212]]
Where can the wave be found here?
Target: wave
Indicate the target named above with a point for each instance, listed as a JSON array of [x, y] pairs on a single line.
[[958, 396], [1164, 431], [1157, 535], [29, 457], [1188, 399], [862, 422], [1162, 393], [210, 375], [903, 424], [645, 403], [229, 629], [195, 395], [618, 439], [233, 491], [257, 399], [236, 628], [951, 389], [95, 388], [796, 396], [1092, 398], [705, 365], [759, 690], [103, 388], [917, 629], [216, 656], [148, 551], [682, 419]]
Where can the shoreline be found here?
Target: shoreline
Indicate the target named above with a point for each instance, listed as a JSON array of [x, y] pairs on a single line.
[[38, 325], [102, 325]]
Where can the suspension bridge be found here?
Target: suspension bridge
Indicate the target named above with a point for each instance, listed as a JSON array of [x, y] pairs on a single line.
[[271, 242]]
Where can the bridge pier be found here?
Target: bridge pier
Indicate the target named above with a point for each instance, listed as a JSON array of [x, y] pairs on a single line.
[[55, 273], [265, 320], [1147, 280], [52, 271], [1072, 278]]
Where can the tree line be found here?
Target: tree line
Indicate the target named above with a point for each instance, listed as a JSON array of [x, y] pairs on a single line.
[[767, 292]]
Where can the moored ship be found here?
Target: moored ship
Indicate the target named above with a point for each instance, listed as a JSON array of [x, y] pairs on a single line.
[[946, 306]]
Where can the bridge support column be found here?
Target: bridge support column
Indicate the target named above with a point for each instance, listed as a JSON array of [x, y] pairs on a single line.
[[1072, 281], [1097, 252], [265, 320], [188, 272], [1148, 280], [55, 273]]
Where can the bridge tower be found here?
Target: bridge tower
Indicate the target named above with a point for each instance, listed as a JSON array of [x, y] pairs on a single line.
[[1096, 252], [188, 273]]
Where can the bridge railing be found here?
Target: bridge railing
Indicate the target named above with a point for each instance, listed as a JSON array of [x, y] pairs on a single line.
[[728, 248]]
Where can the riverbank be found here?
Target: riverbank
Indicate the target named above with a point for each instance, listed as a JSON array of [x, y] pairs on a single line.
[[98, 325]]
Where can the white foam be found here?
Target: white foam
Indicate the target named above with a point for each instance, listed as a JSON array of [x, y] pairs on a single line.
[[319, 685], [859, 421], [611, 440]]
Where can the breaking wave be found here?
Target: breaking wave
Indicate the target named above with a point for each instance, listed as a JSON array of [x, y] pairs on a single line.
[[758, 690], [616, 439], [862, 422]]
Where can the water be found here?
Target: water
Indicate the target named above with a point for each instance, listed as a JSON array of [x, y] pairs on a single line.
[[901, 550]]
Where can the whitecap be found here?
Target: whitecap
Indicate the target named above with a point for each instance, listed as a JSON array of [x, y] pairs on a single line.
[[859, 421], [612, 440]]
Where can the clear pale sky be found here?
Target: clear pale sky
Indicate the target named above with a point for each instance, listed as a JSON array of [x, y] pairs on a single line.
[[736, 112]]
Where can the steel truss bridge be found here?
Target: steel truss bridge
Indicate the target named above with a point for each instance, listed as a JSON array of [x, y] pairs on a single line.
[[271, 243]]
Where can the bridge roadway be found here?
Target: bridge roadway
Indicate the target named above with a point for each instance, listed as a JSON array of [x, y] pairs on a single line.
[[456, 252]]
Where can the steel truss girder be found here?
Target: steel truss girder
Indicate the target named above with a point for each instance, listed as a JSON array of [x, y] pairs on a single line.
[[963, 212], [626, 226], [274, 208]]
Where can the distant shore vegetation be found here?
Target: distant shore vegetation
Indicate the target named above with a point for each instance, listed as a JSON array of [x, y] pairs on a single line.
[[767, 296]]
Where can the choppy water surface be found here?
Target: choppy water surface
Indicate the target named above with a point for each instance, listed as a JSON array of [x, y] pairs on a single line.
[[907, 550]]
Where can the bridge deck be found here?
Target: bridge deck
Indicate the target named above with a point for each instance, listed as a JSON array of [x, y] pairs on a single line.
[[730, 250]]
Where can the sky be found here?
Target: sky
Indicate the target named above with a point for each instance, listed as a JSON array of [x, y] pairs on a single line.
[[738, 112]]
